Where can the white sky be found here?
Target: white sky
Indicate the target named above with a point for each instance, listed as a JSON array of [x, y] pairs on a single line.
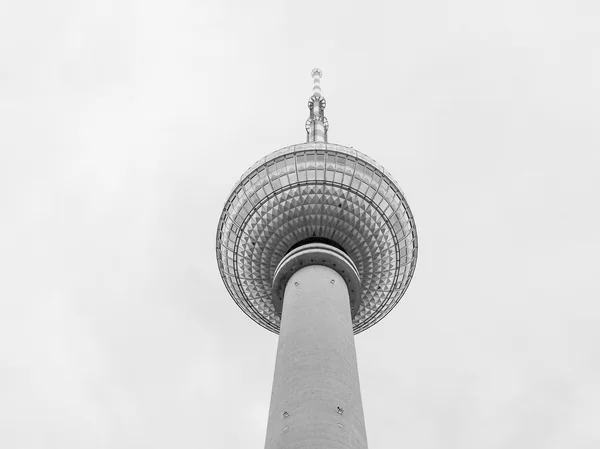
[[123, 127]]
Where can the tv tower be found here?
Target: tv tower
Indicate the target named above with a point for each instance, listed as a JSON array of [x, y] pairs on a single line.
[[316, 243]]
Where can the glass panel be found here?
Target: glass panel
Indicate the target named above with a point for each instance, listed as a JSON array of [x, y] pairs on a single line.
[[330, 160], [350, 171], [368, 176], [341, 162], [282, 173], [277, 183], [267, 188], [363, 187], [329, 174], [310, 165], [238, 220], [320, 159], [300, 161], [376, 179]]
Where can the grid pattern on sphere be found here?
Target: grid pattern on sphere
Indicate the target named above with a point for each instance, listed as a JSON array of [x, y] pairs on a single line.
[[316, 190]]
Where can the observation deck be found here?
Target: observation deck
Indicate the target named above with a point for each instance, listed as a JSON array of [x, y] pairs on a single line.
[[316, 191]]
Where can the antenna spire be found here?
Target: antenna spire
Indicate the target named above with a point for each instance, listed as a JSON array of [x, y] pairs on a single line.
[[317, 124]]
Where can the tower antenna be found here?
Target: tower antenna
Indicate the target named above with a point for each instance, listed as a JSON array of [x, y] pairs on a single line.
[[317, 124]]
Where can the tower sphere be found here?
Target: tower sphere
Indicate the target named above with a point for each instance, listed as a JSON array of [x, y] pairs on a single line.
[[316, 192]]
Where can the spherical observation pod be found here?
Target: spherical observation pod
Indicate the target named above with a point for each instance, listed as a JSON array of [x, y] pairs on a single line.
[[316, 190]]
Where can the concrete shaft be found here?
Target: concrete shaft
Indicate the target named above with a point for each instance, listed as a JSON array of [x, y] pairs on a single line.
[[316, 370]]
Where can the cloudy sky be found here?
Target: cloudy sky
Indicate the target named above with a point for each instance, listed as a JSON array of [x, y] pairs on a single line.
[[123, 127]]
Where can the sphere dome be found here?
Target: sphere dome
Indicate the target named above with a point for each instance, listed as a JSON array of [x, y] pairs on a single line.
[[316, 190]]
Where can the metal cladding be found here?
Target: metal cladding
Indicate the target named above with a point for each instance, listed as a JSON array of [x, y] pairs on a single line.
[[316, 190]]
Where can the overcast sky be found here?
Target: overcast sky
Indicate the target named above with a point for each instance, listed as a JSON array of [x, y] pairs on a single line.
[[125, 124]]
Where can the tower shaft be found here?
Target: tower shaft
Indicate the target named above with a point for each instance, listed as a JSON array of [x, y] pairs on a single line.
[[316, 401]]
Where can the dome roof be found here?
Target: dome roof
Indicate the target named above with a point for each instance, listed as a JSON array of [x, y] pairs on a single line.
[[316, 190]]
